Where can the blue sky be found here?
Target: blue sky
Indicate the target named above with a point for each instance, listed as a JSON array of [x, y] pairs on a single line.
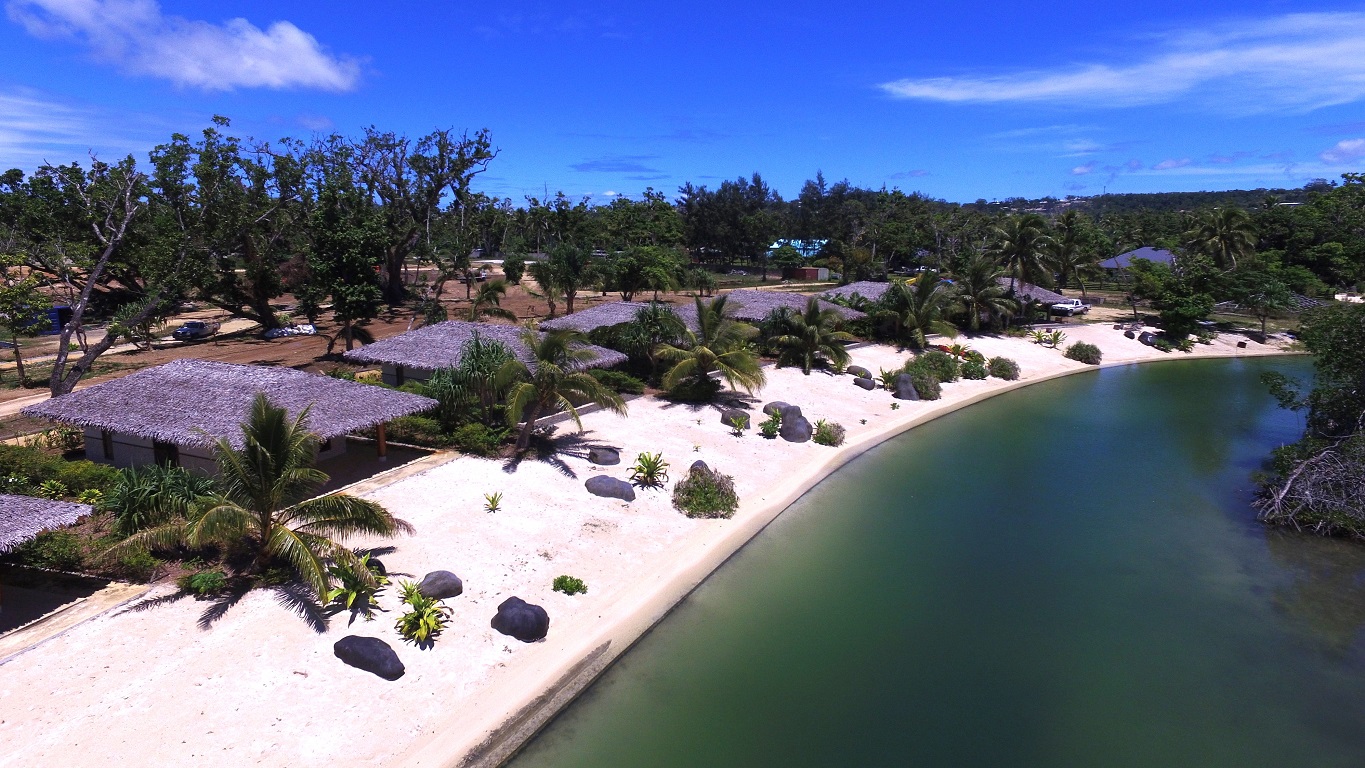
[[959, 100]]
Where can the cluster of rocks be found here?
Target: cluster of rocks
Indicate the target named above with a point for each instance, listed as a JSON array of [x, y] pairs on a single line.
[[515, 618], [604, 485], [796, 428]]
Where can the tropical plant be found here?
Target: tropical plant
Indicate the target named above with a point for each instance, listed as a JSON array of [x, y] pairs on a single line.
[[358, 585], [1038, 337], [488, 302], [1003, 368], [1072, 253], [569, 585], [51, 489], [1223, 234], [555, 381], [203, 583], [770, 426], [653, 326], [974, 370], [943, 366], [471, 387], [811, 337], [888, 378], [650, 470], [1054, 339], [706, 493], [425, 618], [513, 266], [737, 422], [828, 433], [153, 495], [1089, 354], [916, 309], [1021, 244], [979, 292], [261, 504], [720, 344], [492, 502]]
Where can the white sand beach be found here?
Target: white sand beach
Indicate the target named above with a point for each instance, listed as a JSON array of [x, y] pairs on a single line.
[[145, 686]]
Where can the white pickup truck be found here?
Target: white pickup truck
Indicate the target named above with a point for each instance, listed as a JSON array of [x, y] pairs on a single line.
[[1070, 307]]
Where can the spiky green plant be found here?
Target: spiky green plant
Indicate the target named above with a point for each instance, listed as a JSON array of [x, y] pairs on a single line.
[[556, 381], [650, 470], [719, 345], [812, 336]]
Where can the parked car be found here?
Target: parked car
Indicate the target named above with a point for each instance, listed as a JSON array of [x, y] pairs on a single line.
[[305, 329], [1070, 307], [193, 330]]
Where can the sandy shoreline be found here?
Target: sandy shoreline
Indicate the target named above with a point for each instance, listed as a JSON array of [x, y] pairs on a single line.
[[147, 687]]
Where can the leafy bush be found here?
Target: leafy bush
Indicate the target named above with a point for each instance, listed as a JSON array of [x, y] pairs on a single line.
[[86, 476], [650, 470], [425, 619], [478, 439], [1185, 345], [143, 497], [737, 422], [1003, 368], [693, 390], [926, 385], [139, 565], [51, 489], [513, 266], [203, 583], [618, 380], [569, 585], [345, 374], [943, 366], [1083, 352], [828, 433], [706, 493], [770, 426], [1162, 344], [417, 430], [356, 589], [888, 378], [974, 370], [35, 466], [92, 496], [58, 550]]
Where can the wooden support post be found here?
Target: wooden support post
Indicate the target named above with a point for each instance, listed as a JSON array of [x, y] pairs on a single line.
[[382, 443]]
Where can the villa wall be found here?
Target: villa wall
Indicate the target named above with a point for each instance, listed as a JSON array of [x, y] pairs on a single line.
[[134, 451], [391, 374]]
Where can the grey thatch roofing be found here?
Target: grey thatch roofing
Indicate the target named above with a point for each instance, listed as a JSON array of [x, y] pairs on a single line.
[[865, 288], [753, 305], [1030, 291], [195, 402], [606, 315], [439, 346], [23, 517]]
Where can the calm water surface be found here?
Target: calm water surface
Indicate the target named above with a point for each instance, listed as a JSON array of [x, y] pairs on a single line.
[[1068, 575]]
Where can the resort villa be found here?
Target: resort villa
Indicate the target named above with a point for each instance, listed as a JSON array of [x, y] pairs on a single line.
[[415, 355], [175, 413], [23, 517]]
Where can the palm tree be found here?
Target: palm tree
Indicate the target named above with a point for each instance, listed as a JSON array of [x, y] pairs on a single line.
[[916, 308], [1225, 234], [1021, 244], [488, 302], [813, 335], [555, 381], [262, 503], [720, 344], [547, 279], [1069, 255], [653, 325], [979, 291]]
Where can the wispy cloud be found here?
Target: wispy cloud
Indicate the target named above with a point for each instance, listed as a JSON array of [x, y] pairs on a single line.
[[1344, 152], [136, 37], [618, 164], [1295, 62], [1171, 164], [36, 129], [911, 174], [1082, 170]]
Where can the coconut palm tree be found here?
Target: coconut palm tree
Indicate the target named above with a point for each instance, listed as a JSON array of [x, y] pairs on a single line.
[[979, 291], [488, 302], [720, 344], [1224, 234], [653, 325], [917, 308], [261, 503], [812, 336], [553, 380], [1069, 255], [1021, 244]]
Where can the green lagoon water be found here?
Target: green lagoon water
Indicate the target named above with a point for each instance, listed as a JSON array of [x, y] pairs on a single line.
[[1067, 575]]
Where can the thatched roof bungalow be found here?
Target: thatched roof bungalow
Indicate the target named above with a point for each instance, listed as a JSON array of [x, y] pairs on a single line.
[[174, 413], [601, 316], [865, 288], [415, 355], [754, 305], [1025, 291], [24, 517]]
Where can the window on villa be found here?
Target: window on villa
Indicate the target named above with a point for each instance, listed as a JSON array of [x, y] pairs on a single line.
[[167, 454], [325, 445], [107, 442]]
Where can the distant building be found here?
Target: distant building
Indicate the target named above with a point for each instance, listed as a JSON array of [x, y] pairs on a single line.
[[807, 248]]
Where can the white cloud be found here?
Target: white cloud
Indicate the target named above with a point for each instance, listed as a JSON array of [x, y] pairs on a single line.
[[1082, 170], [1171, 164], [137, 37], [1343, 152], [37, 129], [1295, 62]]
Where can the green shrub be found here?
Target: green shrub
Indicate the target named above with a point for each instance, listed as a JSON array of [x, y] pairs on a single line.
[[58, 550], [84, 475], [706, 493], [1162, 344], [737, 423], [1003, 368], [925, 383], [569, 585], [650, 470], [618, 380], [357, 586], [478, 439], [345, 374], [143, 497], [35, 466], [51, 489], [425, 619], [770, 426], [943, 366], [513, 266], [203, 583], [1185, 345], [828, 433], [1082, 352], [93, 496], [139, 565], [417, 430], [974, 370], [693, 390]]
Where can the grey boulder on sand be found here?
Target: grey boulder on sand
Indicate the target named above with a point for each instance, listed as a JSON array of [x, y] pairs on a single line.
[[905, 388], [859, 371], [795, 427], [518, 618], [865, 383], [610, 487], [775, 408], [370, 654], [440, 585], [606, 457]]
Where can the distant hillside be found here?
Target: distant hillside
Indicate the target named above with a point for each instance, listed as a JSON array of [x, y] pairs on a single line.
[[1157, 202]]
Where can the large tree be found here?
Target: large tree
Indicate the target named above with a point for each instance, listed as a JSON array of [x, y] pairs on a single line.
[[1224, 235], [720, 344], [554, 379], [1021, 243]]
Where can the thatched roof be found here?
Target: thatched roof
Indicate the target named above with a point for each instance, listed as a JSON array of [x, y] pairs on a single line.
[[440, 346], [23, 517], [1027, 291], [865, 288], [607, 315], [753, 305], [195, 402]]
